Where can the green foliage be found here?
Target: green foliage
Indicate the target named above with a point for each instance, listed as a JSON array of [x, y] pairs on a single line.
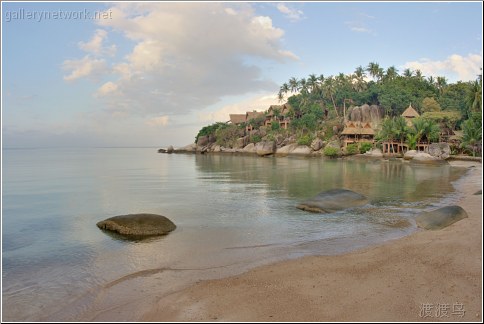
[[425, 129], [365, 147], [430, 105], [257, 122], [352, 149], [447, 119], [330, 151], [472, 137], [210, 130], [412, 141], [255, 139], [275, 126], [227, 136], [305, 140]]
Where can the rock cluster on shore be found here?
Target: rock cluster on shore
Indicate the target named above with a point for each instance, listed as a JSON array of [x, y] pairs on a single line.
[[284, 146]]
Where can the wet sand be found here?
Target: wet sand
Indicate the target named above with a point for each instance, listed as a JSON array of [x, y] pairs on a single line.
[[427, 276]]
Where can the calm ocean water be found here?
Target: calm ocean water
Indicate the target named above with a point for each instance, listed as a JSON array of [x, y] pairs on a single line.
[[232, 213]]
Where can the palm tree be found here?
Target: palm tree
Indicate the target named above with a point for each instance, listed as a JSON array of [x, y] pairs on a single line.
[[400, 128], [312, 83], [391, 73], [418, 75], [329, 89], [387, 131], [358, 79], [431, 80], [303, 86], [472, 135], [441, 84], [375, 71], [293, 84], [474, 97], [407, 73]]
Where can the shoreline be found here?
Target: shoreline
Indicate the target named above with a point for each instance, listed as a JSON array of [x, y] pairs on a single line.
[[402, 280]]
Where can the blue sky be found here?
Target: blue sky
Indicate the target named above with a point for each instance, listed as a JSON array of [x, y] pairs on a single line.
[[152, 74]]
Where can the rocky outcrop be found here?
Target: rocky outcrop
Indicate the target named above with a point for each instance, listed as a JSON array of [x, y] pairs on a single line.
[[265, 148], [440, 218], [138, 225], [301, 150], [425, 158], [287, 149], [333, 200], [439, 150], [366, 114], [317, 144], [241, 142], [409, 155], [376, 153], [249, 148], [202, 140]]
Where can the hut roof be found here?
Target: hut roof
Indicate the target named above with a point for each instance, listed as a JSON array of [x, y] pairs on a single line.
[[254, 114], [410, 112], [357, 128], [237, 118]]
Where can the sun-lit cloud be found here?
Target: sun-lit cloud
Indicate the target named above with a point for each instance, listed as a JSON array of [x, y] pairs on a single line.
[[185, 56], [258, 103], [85, 67], [95, 45], [458, 67], [290, 13]]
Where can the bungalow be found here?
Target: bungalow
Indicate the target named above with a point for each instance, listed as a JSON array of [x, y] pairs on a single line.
[[409, 114], [358, 132], [278, 113]]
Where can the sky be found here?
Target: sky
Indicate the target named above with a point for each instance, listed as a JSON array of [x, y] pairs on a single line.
[[152, 74]]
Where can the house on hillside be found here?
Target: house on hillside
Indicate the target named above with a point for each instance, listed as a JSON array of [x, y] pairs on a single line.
[[279, 114], [252, 115]]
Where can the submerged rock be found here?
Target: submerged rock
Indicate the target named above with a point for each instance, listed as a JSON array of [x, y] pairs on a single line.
[[440, 218], [138, 225], [333, 200]]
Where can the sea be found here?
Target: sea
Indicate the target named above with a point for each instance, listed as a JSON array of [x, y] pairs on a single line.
[[232, 213]]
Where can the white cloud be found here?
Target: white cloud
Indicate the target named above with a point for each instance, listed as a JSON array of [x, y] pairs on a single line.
[[463, 68], [157, 121], [85, 67], [186, 56], [290, 13], [95, 45], [107, 88], [358, 27], [259, 103]]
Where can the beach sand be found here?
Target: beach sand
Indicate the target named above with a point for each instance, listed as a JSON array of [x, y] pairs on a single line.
[[427, 276]]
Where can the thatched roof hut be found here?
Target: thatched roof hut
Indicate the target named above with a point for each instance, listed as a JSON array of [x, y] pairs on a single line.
[[253, 115], [237, 119], [358, 128], [410, 112]]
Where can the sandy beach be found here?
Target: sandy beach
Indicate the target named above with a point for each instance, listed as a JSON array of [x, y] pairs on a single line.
[[427, 276]]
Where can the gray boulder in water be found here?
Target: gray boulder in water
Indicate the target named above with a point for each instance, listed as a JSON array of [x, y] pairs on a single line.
[[333, 200], [440, 218], [138, 225]]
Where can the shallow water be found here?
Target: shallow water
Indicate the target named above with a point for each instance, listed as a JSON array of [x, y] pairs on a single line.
[[232, 213]]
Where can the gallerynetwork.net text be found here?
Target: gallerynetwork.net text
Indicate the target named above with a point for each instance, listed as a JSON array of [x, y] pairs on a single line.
[[41, 15]]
